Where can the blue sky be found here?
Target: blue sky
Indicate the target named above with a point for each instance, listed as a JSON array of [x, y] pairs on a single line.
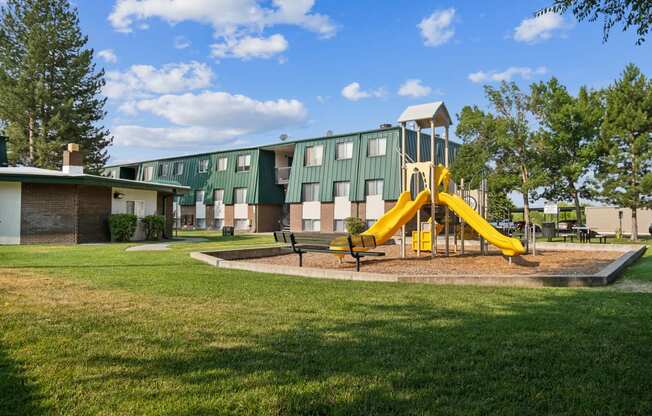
[[187, 76]]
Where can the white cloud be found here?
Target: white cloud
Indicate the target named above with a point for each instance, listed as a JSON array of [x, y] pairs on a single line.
[[172, 137], [145, 80], [414, 88], [108, 55], [249, 47], [437, 28], [507, 75], [227, 17], [181, 42], [225, 112], [354, 92], [539, 28]]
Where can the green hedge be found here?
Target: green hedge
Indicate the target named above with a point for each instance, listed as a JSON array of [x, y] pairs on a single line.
[[354, 225], [154, 226], [122, 226]]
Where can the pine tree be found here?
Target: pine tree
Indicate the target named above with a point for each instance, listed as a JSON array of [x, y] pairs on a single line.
[[624, 173], [50, 90]]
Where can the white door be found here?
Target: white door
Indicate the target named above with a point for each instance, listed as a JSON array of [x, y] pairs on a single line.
[[10, 194]]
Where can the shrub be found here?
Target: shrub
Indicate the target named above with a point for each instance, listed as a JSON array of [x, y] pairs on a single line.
[[354, 225], [122, 226], [154, 226]]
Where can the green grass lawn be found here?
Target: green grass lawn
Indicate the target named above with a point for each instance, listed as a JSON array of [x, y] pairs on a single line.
[[97, 330]]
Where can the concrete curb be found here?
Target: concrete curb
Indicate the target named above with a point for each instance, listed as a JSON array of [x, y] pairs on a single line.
[[232, 259]]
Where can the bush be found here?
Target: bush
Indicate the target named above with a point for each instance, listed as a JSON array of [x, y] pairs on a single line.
[[354, 225], [122, 226], [154, 226]]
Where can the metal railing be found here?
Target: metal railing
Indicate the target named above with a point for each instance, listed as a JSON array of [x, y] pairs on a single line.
[[283, 175]]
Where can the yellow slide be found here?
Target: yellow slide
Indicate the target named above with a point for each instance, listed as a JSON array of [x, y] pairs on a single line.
[[385, 228], [508, 245]]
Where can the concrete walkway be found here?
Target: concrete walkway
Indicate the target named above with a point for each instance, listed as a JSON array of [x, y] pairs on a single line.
[[166, 245]]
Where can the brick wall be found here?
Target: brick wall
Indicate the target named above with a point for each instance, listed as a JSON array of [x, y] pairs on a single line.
[[229, 213], [296, 212], [269, 217], [48, 214], [327, 217], [94, 208], [210, 216], [165, 207]]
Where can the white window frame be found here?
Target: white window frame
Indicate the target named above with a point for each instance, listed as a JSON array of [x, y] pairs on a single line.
[[342, 229], [372, 185], [202, 166], [163, 169], [314, 155], [247, 163], [238, 221], [221, 167], [313, 225], [177, 168], [199, 200], [235, 195], [348, 151], [310, 192], [337, 187], [377, 147], [148, 174], [138, 208], [217, 192]]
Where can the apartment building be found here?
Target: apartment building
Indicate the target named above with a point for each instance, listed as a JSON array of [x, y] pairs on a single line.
[[305, 185]]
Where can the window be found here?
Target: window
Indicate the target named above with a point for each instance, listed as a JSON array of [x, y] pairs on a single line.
[[310, 192], [199, 197], [221, 164], [177, 168], [341, 189], [240, 196], [374, 187], [203, 166], [241, 224], [339, 226], [149, 173], [218, 196], [344, 151], [163, 169], [201, 223], [136, 208], [311, 225], [244, 163], [376, 147], [218, 223], [313, 155]]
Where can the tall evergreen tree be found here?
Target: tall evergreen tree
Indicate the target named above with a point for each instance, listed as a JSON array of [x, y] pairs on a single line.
[[50, 90], [624, 173], [569, 128]]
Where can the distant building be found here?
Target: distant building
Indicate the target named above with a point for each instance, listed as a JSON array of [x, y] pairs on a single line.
[[606, 220], [303, 185], [46, 206]]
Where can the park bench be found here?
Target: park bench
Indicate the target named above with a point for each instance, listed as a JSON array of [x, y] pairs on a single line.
[[586, 236], [301, 243]]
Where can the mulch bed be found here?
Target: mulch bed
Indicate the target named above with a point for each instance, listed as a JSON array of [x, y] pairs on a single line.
[[471, 263]]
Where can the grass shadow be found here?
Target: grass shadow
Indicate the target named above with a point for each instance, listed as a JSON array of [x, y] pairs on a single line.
[[18, 396]]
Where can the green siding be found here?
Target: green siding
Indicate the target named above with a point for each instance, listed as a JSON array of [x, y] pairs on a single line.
[[267, 191]]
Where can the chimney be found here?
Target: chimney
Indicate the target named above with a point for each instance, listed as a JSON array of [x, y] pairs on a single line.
[[3, 152], [73, 163]]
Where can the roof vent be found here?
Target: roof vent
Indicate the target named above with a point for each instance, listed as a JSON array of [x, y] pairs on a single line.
[[385, 126], [329, 133], [283, 137]]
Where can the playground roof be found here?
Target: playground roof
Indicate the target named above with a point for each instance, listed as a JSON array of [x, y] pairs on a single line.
[[423, 114]]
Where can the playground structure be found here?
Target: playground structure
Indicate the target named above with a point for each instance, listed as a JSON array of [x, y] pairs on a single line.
[[437, 186]]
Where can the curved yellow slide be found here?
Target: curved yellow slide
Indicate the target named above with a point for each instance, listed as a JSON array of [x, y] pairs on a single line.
[[508, 245], [385, 228]]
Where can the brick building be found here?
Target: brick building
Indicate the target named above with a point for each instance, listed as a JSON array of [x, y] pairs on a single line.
[[69, 207]]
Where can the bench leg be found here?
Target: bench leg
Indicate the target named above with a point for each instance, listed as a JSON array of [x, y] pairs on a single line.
[[300, 259], [357, 263]]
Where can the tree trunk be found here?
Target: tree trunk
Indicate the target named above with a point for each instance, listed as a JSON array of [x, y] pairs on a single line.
[[578, 211], [634, 235], [30, 136]]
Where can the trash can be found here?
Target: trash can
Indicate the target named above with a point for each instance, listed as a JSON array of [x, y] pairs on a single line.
[[549, 230], [227, 231]]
